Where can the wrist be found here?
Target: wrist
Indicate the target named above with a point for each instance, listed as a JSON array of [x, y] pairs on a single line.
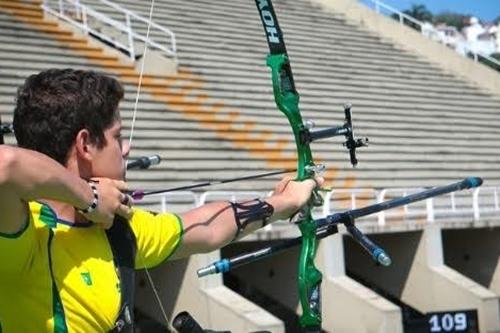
[[92, 206], [284, 207]]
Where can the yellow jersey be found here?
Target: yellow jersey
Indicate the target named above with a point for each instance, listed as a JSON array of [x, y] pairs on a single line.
[[60, 277]]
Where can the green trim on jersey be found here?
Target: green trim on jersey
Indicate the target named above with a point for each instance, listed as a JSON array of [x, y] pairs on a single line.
[[52, 254], [16, 235], [181, 236], [57, 306], [47, 216]]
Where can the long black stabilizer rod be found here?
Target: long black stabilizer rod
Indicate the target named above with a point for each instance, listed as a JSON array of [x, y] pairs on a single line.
[[225, 265], [328, 226], [467, 183]]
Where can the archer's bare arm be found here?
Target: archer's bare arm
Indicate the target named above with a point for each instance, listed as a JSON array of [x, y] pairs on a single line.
[[213, 225], [28, 175]]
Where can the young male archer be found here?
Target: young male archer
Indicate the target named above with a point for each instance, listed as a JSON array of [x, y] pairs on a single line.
[[61, 191]]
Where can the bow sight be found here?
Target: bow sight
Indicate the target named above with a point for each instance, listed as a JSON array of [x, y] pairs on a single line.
[[307, 136]]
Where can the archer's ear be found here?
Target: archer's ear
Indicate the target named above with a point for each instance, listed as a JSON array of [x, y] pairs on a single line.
[[84, 146]]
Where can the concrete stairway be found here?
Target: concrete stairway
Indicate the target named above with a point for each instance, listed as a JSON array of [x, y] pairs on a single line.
[[31, 45], [425, 125], [216, 117]]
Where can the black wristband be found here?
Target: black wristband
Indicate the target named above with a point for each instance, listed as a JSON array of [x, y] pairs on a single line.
[[95, 200]]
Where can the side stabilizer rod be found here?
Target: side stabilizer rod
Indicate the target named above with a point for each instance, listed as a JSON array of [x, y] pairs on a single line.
[[328, 225]]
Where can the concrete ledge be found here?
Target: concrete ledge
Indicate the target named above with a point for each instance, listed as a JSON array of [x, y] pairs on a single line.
[[223, 308], [455, 291], [155, 63], [432, 286], [411, 40], [213, 305], [495, 281], [350, 307], [229, 311]]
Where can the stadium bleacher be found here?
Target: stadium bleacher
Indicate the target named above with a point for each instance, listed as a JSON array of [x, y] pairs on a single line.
[[216, 117]]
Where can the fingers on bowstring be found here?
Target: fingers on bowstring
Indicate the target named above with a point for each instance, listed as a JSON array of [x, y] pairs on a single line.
[[125, 207], [126, 199], [124, 211], [121, 185]]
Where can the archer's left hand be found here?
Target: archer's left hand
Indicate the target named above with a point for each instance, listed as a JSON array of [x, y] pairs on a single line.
[[290, 196]]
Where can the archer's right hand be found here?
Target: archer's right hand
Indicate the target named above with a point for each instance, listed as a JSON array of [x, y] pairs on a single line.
[[111, 201]]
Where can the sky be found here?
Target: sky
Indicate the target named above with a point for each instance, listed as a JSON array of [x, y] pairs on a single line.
[[485, 10]]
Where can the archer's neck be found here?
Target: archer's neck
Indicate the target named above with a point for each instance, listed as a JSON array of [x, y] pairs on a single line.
[[64, 211]]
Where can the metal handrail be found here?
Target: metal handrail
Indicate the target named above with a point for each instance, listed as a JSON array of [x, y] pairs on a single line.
[[475, 206], [189, 195], [382, 196], [478, 209], [79, 16], [402, 16], [129, 14], [230, 195], [351, 192]]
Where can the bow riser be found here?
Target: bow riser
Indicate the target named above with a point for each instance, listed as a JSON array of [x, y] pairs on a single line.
[[288, 103], [309, 277]]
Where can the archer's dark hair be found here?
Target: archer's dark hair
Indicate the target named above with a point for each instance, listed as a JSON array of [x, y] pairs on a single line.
[[54, 105]]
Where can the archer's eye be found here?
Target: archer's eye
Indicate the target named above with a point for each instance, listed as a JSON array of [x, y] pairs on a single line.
[[119, 139]]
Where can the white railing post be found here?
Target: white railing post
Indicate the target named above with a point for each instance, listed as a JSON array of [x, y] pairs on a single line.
[[381, 214], [495, 196], [405, 207], [78, 8], [85, 20], [475, 203], [174, 43], [45, 4], [430, 210], [130, 36], [163, 204], [327, 204]]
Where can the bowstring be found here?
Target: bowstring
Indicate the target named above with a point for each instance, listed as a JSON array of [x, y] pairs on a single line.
[[132, 127]]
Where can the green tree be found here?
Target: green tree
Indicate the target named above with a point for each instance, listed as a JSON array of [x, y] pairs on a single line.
[[452, 19], [418, 12]]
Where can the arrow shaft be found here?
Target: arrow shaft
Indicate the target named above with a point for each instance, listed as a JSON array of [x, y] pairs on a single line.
[[138, 194]]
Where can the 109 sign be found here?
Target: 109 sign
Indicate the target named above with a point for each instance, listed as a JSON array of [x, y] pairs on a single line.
[[453, 321]]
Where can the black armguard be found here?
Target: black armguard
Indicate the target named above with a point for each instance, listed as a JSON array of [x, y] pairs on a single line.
[[249, 212]]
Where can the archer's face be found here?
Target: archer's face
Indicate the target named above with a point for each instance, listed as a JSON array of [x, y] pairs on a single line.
[[109, 161]]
